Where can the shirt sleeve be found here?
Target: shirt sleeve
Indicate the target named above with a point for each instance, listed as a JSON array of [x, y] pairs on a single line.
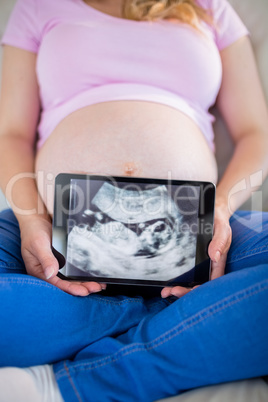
[[22, 28], [228, 26]]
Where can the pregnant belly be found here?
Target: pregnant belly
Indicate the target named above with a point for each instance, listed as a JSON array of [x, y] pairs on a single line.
[[139, 139]]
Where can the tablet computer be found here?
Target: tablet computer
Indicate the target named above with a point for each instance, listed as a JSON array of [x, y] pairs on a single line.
[[133, 231]]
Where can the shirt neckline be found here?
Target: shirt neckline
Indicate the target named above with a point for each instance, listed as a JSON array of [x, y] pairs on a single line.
[[101, 13], [109, 16], [122, 20]]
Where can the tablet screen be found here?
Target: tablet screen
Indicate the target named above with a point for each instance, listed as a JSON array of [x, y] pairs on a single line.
[[135, 231]]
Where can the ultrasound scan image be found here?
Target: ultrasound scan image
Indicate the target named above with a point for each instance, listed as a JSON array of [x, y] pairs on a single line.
[[131, 234]]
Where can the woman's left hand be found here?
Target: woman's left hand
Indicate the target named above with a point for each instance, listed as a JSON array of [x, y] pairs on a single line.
[[217, 250]]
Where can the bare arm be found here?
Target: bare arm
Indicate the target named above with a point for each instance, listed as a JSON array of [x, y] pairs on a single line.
[[19, 114], [242, 105]]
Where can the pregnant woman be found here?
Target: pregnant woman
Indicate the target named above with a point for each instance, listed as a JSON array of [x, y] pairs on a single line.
[[124, 88]]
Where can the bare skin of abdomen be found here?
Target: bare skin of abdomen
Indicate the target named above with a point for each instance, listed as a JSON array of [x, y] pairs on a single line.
[[125, 138]]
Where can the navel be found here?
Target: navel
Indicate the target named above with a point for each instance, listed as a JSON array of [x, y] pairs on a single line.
[[132, 169]]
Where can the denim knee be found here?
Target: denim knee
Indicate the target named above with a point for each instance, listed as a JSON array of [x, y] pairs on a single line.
[[250, 240]]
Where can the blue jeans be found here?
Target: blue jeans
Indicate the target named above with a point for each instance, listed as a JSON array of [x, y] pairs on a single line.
[[119, 348]]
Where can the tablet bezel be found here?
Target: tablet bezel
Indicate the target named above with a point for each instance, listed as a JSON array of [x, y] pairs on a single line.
[[205, 219]]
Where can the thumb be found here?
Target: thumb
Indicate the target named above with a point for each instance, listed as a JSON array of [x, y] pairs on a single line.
[[220, 243], [218, 268], [48, 261]]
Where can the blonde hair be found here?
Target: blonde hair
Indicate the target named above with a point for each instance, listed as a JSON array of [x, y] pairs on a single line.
[[186, 11]]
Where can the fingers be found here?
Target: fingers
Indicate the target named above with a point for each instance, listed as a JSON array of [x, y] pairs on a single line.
[[50, 268], [41, 263], [43, 253], [218, 268], [221, 241], [217, 251], [77, 288], [177, 291]]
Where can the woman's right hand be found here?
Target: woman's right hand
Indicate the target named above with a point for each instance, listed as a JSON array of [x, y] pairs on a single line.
[[41, 262]]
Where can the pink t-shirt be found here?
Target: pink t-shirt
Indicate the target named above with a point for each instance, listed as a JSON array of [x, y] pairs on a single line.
[[87, 57]]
